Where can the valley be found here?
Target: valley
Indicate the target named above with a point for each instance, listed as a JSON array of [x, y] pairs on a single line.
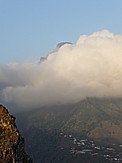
[[50, 132]]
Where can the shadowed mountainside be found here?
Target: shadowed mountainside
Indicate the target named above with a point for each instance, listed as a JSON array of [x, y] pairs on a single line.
[[96, 119]]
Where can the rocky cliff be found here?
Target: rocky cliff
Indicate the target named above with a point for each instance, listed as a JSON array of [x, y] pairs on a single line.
[[11, 142]]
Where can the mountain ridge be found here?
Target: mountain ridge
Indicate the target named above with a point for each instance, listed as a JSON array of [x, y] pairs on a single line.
[[86, 116], [96, 119]]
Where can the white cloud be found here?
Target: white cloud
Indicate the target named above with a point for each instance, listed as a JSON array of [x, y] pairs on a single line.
[[91, 67]]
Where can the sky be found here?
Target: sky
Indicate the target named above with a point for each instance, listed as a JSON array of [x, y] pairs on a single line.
[[89, 67], [30, 29]]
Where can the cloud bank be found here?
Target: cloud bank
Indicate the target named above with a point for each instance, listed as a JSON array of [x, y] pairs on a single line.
[[92, 67]]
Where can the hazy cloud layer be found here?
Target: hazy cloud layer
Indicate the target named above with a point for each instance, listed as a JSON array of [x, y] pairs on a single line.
[[90, 67]]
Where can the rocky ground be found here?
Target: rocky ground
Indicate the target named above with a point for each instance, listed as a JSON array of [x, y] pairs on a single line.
[[11, 142]]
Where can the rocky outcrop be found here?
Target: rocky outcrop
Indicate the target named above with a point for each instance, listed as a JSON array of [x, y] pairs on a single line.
[[11, 142]]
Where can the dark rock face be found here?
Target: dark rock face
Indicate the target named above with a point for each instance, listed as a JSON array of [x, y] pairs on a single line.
[[11, 142]]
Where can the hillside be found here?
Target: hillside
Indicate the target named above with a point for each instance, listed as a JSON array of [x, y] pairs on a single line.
[[99, 120], [11, 142]]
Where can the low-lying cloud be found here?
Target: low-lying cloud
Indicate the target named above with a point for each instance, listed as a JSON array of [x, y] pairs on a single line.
[[92, 67]]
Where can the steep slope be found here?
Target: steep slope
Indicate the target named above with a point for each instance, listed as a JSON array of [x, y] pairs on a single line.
[[95, 119], [99, 119], [92, 117], [11, 142]]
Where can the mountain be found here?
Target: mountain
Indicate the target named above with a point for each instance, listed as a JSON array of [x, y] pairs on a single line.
[[11, 142], [98, 119], [59, 45], [95, 119]]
